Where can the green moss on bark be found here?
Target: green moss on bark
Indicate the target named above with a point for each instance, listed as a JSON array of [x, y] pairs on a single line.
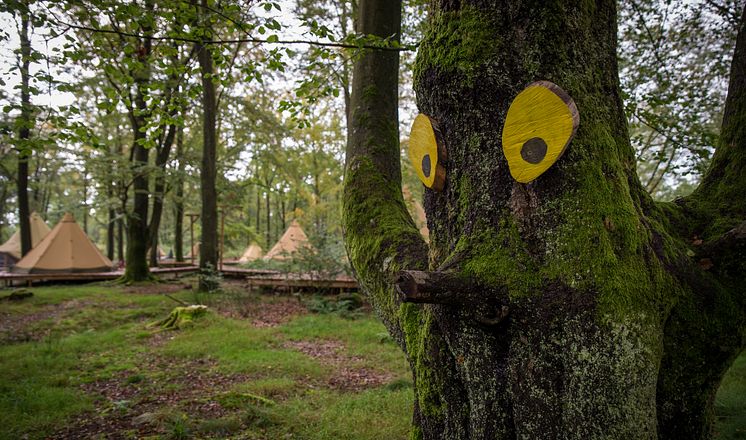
[[460, 40]]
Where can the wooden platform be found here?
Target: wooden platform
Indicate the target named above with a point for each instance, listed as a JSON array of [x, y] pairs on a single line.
[[9, 278], [291, 281], [254, 277]]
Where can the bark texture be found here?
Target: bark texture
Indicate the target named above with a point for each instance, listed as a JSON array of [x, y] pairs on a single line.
[[584, 314], [179, 203], [24, 134], [208, 260], [136, 261]]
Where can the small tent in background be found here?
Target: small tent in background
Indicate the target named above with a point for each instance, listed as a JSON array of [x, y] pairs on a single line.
[[10, 251], [290, 243], [65, 249], [253, 252]]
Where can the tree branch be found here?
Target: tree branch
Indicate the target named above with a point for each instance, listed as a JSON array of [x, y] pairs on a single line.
[[403, 48], [421, 287], [725, 251]]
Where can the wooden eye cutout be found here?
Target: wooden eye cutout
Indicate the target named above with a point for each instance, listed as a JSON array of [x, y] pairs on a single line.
[[541, 122], [427, 152]]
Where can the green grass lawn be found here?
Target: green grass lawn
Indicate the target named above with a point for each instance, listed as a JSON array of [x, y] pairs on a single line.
[[81, 361]]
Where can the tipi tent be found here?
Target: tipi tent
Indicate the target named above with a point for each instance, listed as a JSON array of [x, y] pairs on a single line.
[[65, 249], [291, 242], [10, 251], [253, 252]]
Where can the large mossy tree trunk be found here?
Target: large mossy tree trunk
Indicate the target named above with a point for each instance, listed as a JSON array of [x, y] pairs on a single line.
[[573, 306]]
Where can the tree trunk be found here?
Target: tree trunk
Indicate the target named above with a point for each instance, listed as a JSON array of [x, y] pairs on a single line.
[[566, 307], [120, 239], [110, 229], [136, 263], [208, 247], [85, 201], [269, 217], [24, 135], [179, 204], [159, 193], [258, 209], [136, 267]]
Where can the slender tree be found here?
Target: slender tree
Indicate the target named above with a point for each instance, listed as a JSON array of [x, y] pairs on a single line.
[[209, 217], [573, 306], [25, 122]]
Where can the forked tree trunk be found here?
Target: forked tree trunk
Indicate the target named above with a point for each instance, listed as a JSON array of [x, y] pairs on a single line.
[[572, 306]]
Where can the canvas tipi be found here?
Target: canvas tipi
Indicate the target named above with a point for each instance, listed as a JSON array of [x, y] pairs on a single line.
[[290, 243], [65, 249], [253, 252], [10, 251]]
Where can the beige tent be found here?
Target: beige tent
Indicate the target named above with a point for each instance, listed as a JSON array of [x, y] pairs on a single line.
[[65, 249], [253, 252], [291, 241], [10, 251]]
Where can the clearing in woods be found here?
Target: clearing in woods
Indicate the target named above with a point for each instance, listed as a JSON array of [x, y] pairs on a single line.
[[81, 362]]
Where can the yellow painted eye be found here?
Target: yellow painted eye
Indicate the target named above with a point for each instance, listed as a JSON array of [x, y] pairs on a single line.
[[541, 122], [427, 152]]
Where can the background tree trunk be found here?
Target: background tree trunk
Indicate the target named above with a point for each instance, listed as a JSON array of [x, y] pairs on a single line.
[[209, 242], [179, 204], [159, 193], [24, 134], [562, 308], [136, 263]]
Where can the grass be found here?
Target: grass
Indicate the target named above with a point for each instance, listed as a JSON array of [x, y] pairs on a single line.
[[730, 402], [91, 358]]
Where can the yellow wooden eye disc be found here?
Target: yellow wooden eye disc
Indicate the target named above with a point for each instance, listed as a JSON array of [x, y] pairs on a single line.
[[427, 152], [540, 123]]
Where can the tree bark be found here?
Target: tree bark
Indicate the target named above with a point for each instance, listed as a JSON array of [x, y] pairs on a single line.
[[208, 247], [179, 204], [136, 262], [159, 192], [577, 311], [269, 218], [110, 233], [24, 134]]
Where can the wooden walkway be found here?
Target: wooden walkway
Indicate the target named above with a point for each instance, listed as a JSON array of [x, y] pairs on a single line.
[[254, 278], [9, 278], [291, 281]]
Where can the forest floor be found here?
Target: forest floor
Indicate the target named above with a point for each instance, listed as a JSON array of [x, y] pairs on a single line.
[[82, 362]]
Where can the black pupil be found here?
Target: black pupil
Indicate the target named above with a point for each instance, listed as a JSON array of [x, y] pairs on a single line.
[[534, 150], [426, 165]]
